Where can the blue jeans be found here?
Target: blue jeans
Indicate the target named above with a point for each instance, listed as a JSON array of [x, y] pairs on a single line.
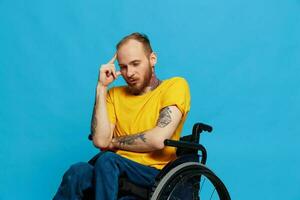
[[103, 177]]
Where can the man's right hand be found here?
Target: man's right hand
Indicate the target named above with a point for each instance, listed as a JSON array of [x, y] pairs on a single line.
[[108, 73]]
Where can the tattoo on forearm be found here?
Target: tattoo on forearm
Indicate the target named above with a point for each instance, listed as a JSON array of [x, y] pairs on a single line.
[[164, 117], [129, 140], [94, 121]]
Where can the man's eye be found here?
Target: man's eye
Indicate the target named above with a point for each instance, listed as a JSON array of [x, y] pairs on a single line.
[[135, 64]]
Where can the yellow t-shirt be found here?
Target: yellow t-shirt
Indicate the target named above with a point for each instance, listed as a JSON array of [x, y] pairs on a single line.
[[135, 114]]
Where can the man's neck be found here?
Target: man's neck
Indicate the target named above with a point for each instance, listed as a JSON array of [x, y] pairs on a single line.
[[154, 83]]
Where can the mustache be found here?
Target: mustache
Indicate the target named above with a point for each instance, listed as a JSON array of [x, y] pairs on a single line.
[[131, 80]]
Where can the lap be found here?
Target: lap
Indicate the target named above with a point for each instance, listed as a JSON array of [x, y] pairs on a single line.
[[135, 172], [108, 163]]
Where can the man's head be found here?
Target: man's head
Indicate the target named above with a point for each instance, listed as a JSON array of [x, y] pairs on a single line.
[[136, 60], [142, 38]]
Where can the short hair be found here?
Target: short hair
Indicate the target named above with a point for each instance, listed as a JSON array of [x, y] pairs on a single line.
[[140, 37]]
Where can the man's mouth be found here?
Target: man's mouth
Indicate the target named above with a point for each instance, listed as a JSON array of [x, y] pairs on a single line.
[[132, 81]]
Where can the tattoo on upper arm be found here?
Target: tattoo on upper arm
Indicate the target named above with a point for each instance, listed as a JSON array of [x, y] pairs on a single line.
[[129, 140], [164, 117]]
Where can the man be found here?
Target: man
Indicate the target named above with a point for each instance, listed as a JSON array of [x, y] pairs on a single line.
[[130, 123]]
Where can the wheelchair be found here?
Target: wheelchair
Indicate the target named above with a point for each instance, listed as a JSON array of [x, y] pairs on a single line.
[[185, 178]]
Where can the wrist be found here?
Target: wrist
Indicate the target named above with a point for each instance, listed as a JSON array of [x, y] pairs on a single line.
[[112, 146], [101, 88]]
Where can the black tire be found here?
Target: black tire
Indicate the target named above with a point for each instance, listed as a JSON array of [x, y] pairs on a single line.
[[188, 176]]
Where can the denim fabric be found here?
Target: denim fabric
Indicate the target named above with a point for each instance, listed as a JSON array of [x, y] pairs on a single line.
[[103, 177]]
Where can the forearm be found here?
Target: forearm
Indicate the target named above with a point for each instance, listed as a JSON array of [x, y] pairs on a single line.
[[141, 142], [100, 126], [152, 139]]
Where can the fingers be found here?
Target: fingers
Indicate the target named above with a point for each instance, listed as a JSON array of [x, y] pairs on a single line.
[[111, 71], [113, 59], [112, 66], [115, 73], [108, 72], [118, 73]]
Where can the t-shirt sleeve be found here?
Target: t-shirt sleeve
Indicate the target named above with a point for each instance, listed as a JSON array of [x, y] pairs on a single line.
[[178, 94], [110, 106]]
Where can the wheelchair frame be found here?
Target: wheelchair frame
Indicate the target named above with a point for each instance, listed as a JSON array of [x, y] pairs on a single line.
[[187, 164]]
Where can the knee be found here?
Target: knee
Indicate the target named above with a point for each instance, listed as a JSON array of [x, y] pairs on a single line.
[[106, 160], [77, 170], [79, 167]]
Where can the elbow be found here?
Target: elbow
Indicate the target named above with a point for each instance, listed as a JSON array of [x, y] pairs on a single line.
[[159, 144], [100, 143]]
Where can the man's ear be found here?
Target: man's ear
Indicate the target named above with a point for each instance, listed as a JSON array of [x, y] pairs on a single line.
[[153, 59]]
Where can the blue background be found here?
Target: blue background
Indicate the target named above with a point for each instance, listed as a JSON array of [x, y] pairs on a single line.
[[241, 59]]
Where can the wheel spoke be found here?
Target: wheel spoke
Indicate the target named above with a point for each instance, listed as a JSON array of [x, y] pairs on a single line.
[[202, 184], [212, 193]]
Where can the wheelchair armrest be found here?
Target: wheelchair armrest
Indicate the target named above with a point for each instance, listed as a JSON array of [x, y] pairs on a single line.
[[183, 144], [188, 145]]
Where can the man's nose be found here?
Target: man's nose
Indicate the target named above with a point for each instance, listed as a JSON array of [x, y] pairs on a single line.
[[130, 72]]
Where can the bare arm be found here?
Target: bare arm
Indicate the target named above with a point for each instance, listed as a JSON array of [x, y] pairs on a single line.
[[101, 128], [152, 139]]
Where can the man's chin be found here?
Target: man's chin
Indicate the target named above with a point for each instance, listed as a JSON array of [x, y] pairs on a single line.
[[134, 90]]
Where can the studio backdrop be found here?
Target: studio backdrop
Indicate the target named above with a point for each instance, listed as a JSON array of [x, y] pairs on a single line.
[[240, 58]]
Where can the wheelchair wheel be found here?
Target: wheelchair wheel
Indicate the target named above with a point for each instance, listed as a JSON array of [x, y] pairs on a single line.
[[190, 181]]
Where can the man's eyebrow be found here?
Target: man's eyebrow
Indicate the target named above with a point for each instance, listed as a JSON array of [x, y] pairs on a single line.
[[133, 61]]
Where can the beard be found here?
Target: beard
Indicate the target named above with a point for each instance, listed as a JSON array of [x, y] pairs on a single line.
[[138, 87]]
